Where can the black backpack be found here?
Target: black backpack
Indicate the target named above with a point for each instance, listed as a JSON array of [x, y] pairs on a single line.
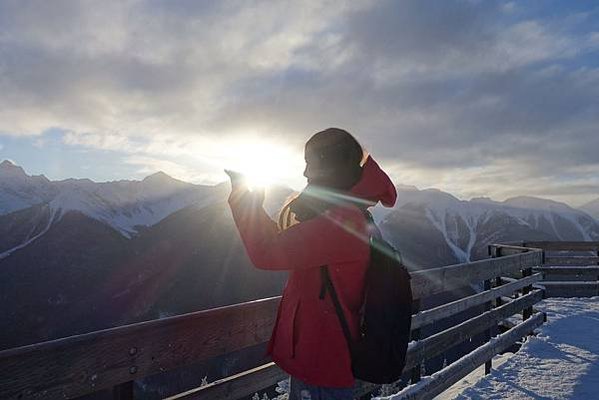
[[379, 354]]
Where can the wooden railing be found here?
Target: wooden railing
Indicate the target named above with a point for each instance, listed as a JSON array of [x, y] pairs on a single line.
[[507, 281], [114, 358], [569, 269]]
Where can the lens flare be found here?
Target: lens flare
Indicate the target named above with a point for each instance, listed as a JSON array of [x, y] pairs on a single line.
[[264, 163]]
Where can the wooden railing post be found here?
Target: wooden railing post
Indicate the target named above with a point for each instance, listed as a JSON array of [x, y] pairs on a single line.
[[488, 305], [496, 252], [498, 282], [527, 312], [489, 332], [124, 391], [415, 376]]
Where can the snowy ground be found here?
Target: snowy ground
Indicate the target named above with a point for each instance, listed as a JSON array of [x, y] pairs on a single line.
[[561, 362]]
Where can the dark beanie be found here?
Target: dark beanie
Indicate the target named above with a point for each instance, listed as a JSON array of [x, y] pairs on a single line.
[[335, 155]]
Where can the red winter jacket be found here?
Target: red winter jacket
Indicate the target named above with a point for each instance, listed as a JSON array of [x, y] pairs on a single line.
[[307, 340]]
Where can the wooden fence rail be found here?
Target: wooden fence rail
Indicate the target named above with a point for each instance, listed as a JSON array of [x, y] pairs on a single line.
[[77, 365], [82, 364], [429, 388], [569, 269], [563, 246]]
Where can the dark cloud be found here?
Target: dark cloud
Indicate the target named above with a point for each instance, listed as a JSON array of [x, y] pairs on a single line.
[[421, 31]]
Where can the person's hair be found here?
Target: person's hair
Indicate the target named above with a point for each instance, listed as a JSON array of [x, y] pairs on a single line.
[[338, 158]]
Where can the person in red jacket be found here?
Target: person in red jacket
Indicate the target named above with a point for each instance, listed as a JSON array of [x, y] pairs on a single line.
[[323, 225]]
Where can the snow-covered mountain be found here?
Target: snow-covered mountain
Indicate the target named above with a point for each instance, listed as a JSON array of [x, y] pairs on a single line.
[[30, 205], [125, 205], [467, 227], [459, 229], [592, 208], [19, 190], [129, 205]]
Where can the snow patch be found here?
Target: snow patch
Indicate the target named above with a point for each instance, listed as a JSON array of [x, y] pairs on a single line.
[[126, 205], [561, 362], [51, 220], [447, 213]]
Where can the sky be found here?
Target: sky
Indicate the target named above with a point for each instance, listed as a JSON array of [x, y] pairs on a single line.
[[477, 98]]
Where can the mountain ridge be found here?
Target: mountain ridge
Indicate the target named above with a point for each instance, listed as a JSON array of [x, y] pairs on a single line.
[[592, 208], [124, 204], [162, 177], [129, 206]]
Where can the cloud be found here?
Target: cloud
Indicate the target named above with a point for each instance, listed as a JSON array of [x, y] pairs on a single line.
[[473, 97]]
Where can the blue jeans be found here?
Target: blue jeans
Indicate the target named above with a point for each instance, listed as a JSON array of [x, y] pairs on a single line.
[[299, 390]]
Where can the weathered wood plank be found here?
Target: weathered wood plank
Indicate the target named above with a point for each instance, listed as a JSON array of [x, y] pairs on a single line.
[[439, 342], [77, 365], [496, 252], [527, 311], [415, 335], [553, 246], [499, 300], [504, 300], [549, 276], [570, 284], [508, 250], [431, 281], [571, 289], [123, 391], [436, 384], [446, 310], [236, 386], [514, 243], [567, 269], [571, 260], [488, 332]]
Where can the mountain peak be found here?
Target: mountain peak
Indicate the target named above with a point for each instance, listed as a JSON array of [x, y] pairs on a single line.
[[7, 164], [160, 177], [8, 168]]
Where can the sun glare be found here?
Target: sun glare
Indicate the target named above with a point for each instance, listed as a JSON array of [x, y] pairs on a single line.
[[264, 163]]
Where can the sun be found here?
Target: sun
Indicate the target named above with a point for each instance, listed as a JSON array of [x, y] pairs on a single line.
[[264, 163]]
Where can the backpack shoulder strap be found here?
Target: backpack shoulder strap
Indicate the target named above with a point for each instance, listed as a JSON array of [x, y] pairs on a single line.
[[327, 286]]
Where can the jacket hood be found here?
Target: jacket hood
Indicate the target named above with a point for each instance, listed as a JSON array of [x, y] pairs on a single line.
[[375, 185]]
